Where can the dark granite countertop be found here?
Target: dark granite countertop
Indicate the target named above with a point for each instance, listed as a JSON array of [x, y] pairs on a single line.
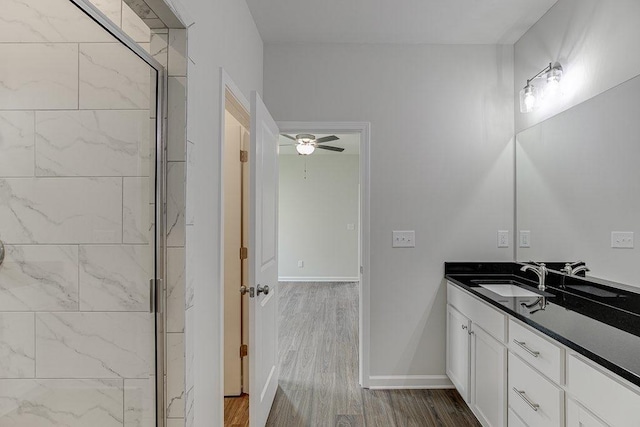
[[600, 322]]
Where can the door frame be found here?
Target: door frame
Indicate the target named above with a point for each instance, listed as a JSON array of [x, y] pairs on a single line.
[[364, 129], [226, 84]]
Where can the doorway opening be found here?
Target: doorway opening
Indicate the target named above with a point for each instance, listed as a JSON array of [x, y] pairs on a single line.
[[323, 251], [235, 158]]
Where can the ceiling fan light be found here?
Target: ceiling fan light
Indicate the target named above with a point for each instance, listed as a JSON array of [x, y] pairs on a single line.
[[305, 149]]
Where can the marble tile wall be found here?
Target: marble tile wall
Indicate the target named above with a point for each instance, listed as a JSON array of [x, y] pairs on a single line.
[[76, 215], [176, 63]]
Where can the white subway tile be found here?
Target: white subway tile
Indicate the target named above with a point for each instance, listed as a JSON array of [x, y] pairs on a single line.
[[61, 210], [92, 143], [94, 345], [137, 213], [112, 9], [134, 26], [112, 77], [115, 278], [177, 52], [160, 47], [38, 76], [60, 402], [139, 402], [175, 204], [17, 352], [190, 196], [175, 376], [17, 139], [39, 278], [175, 289], [50, 21], [177, 121]]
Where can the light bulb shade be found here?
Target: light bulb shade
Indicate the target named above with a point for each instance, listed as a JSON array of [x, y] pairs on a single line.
[[305, 149], [553, 81], [529, 98]]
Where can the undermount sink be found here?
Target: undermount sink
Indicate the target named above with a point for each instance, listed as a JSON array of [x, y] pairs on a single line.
[[509, 290]]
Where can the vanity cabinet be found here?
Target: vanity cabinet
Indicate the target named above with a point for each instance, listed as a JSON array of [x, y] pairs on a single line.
[[476, 355], [511, 374]]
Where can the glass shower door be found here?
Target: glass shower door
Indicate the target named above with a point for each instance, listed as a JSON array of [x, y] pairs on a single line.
[[77, 219]]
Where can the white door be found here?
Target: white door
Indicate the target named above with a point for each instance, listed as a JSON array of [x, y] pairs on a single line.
[[263, 263]]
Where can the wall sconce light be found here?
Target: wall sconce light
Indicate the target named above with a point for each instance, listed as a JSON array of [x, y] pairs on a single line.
[[531, 95]]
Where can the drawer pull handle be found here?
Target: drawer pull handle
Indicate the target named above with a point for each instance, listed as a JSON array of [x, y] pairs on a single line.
[[521, 393], [523, 345]]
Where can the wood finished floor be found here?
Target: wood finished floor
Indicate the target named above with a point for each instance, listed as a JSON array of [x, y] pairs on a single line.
[[318, 383], [236, 411]]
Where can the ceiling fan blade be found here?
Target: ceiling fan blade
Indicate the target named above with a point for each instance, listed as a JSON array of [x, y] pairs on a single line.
[[287, 145], [288, 136], [330, 148], [326, 139]]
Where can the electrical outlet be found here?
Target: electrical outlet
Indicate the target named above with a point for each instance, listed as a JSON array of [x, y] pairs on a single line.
[[404, 239], [622, 239], [525, 238], [300, 263], [351, 226], [503, 238]]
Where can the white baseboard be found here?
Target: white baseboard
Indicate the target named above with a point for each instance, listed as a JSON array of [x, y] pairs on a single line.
[[318, 279], [387, 382]]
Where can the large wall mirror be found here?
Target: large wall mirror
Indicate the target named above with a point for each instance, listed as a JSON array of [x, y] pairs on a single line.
[[578, 180]]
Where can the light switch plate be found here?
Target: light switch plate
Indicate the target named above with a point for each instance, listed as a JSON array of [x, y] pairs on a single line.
[[525, 239], [622, 239], [503, 238], [404, 239]]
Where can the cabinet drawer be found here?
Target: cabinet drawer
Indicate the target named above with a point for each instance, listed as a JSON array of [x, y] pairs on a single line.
[[514, 421], [537, 401], [577, 416], [487, 317], [603, 395], [540, 353]]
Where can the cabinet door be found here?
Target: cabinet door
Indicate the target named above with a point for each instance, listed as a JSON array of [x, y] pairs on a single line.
[[458, 351], [488, 379], [577, 416]]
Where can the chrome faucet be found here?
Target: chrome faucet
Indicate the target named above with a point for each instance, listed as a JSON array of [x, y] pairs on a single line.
[[541, 271], [572, 269]]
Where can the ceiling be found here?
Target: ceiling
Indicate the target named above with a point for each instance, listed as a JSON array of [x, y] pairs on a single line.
[[396, 21], [349, 141]]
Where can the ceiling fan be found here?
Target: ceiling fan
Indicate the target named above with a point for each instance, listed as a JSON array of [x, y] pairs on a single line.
[[306, 143]]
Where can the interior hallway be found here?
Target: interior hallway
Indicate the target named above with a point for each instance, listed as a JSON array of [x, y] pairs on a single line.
[[318, 383]]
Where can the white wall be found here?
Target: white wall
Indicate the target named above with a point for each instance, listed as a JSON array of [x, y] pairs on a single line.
[[315, 208], [595, 41], [221, 33], [441, 164]]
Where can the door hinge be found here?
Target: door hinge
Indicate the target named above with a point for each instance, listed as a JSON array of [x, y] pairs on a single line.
[[244, 156], [244, 253], [244, 350]]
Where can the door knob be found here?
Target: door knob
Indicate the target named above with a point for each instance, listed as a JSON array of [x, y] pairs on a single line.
[[244, 290], [263, 289]]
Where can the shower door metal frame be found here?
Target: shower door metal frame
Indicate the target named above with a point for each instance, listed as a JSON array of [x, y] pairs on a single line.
[[158, 291]]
